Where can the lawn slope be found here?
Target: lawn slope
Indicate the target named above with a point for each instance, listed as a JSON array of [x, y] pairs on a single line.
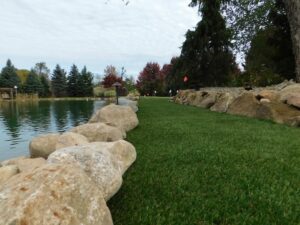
[[199, 167]]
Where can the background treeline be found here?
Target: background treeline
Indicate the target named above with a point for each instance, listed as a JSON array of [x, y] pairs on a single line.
[[38, 81], [258, 30]]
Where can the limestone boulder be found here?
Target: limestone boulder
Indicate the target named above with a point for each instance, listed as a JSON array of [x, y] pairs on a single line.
[[6, 172], [43, 145], [99, 164], [208, 100], [223, 100], [26, 164], [12, 161], [53, 194], [288, 91], [293, 100], [265, 100], [272, 95], [99, 132], [70, 139], [122, 117], [123, 152], [248, 105]]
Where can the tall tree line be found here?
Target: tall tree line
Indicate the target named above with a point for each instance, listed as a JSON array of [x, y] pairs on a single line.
[[38, 81]]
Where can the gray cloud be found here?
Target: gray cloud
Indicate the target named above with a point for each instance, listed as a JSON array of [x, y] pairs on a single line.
[[92, 33]]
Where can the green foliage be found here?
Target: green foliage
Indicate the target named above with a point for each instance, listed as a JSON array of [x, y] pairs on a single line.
[[85, 83], [73, 82], [197, 167], [33, 84], [59, 82], [271, 55], [206, 57], [22, 74], [45, 90], [129, 84], [41, 69], [8, 76]]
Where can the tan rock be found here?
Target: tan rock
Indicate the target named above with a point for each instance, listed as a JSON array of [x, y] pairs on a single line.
[[286, 92], [205, 99], [26, 164], [248, 105], [223, 100], [44, 145], [268, 94], [265, 100], [293, 100], [13, 161], [6, 172], [70, 139], [123, 152], [99, 164], [99, 132], [122, 117], [53, 194]]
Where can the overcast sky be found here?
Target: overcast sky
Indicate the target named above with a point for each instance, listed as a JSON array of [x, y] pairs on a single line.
[[93, 32]]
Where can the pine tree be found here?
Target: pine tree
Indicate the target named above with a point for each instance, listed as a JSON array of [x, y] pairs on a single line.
[[85, 86], [73, 82], [59, 82], [32, 84], [206, 57], [9, 77], [45, 91]]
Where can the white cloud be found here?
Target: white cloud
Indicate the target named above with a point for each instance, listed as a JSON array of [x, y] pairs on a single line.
[[93, 33]]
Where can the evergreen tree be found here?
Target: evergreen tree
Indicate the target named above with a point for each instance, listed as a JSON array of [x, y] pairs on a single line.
[[59, 82], [85, 86], [73, 82], [9, 77], [45, 90], [206, 57], [32, 84]]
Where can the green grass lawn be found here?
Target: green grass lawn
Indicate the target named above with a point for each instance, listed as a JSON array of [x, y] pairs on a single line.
[[199, 167]]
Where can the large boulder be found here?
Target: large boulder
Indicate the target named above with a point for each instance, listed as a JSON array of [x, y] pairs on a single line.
[[98, 163], [248, 105], [223, 100], [53, 194], [122, 117], [123, 152], [286, 92], [99, 132], [12, 161], [43, 145], [268, 94], [70, 139], [293, 100], [25, 164], [7, 172]]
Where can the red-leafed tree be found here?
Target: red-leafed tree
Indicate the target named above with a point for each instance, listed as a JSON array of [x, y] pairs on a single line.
[[149, 80], [111, 76]]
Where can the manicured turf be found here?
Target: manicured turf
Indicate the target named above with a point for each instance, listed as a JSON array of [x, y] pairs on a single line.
[[199, 167]]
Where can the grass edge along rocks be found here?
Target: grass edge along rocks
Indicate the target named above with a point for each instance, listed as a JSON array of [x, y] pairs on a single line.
[[279, 103]]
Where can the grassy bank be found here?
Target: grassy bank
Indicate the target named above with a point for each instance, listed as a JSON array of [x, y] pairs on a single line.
[[199, 167]]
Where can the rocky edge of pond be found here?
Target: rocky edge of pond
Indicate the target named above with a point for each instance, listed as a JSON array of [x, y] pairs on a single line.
[[279, 103], [70, 176]]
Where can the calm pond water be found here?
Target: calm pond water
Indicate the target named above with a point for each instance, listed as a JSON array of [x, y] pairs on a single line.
[[21, 121]]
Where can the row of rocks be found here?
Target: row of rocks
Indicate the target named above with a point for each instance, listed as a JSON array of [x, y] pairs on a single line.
[[280, 103], [70, 176]]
